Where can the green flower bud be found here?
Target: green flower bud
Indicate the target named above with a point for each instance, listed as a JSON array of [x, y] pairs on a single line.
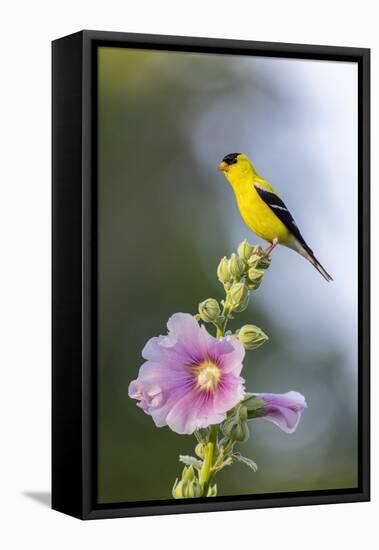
[[239, 297], [251, 336], [264, 262], [177, 490], [187, 489], [209, 310], [193, 489], [245, 250], [188, 473], [212, 491], [223, 272], [235, 428], [254, 260], [242, 413], [258, 261], [200, 450], [236, 267], [255, 277], [189, 486]]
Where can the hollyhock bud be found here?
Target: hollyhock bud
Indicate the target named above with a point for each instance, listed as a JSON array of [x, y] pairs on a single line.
[[239, 297], [212, 491], [193, 490], [236, 267], [188, 473], [242, 413], [200, 450], [251, 336], [235, 427], [188, 486], [209, 310], [258, 261], [245, 250], [264, 262], [223, 272], [255, 276], [254, 260], [187, 489]]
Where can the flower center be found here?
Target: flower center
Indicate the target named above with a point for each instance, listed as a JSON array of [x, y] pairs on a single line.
[[208, 375]]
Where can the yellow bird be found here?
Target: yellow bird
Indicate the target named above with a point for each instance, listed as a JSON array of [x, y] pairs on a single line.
[[263, 210]]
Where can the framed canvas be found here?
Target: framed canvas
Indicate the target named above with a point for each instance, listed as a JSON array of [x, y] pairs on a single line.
[[209, 351]]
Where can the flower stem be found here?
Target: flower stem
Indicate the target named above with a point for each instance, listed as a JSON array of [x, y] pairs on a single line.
[[220, 332], [225, 317], [206, 472]]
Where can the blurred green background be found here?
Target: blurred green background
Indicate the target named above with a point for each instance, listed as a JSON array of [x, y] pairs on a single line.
[[166, 217]]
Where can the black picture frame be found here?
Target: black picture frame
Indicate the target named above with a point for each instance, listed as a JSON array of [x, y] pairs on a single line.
[[74, 294]]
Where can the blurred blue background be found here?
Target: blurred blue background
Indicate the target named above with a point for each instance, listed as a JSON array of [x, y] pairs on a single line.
[[167, 216]]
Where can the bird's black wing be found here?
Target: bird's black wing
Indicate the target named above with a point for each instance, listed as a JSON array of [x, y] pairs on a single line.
[[281, 211]]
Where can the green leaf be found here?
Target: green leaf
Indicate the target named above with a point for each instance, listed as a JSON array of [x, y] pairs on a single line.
[[237, 457], [191, 461]]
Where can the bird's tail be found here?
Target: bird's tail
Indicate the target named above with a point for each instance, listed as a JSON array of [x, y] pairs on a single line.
[[314, 261], [305, 251]]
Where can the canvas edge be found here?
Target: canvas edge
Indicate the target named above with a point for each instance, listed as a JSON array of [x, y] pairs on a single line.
[[67, 463], [86, 509]]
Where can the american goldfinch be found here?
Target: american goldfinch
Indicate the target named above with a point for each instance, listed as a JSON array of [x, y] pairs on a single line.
[[262, 209]]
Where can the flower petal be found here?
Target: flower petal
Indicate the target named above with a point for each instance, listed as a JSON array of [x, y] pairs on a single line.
[[283, 409], [168, 386], [192, 412], [163, 349], [230, 392], [231, 352], [191, 339]]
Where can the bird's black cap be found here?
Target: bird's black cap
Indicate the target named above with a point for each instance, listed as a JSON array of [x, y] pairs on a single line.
[[231, 158]]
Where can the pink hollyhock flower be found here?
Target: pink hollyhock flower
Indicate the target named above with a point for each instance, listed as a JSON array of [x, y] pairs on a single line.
[[190, 379], [283, 409]]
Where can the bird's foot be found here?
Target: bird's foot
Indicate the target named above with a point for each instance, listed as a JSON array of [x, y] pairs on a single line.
[[266, 253]]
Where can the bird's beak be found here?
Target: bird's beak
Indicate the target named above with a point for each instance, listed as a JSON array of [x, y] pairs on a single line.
[[223, 166]]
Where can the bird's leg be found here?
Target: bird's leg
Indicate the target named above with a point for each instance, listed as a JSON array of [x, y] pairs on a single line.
[[266, 253]]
